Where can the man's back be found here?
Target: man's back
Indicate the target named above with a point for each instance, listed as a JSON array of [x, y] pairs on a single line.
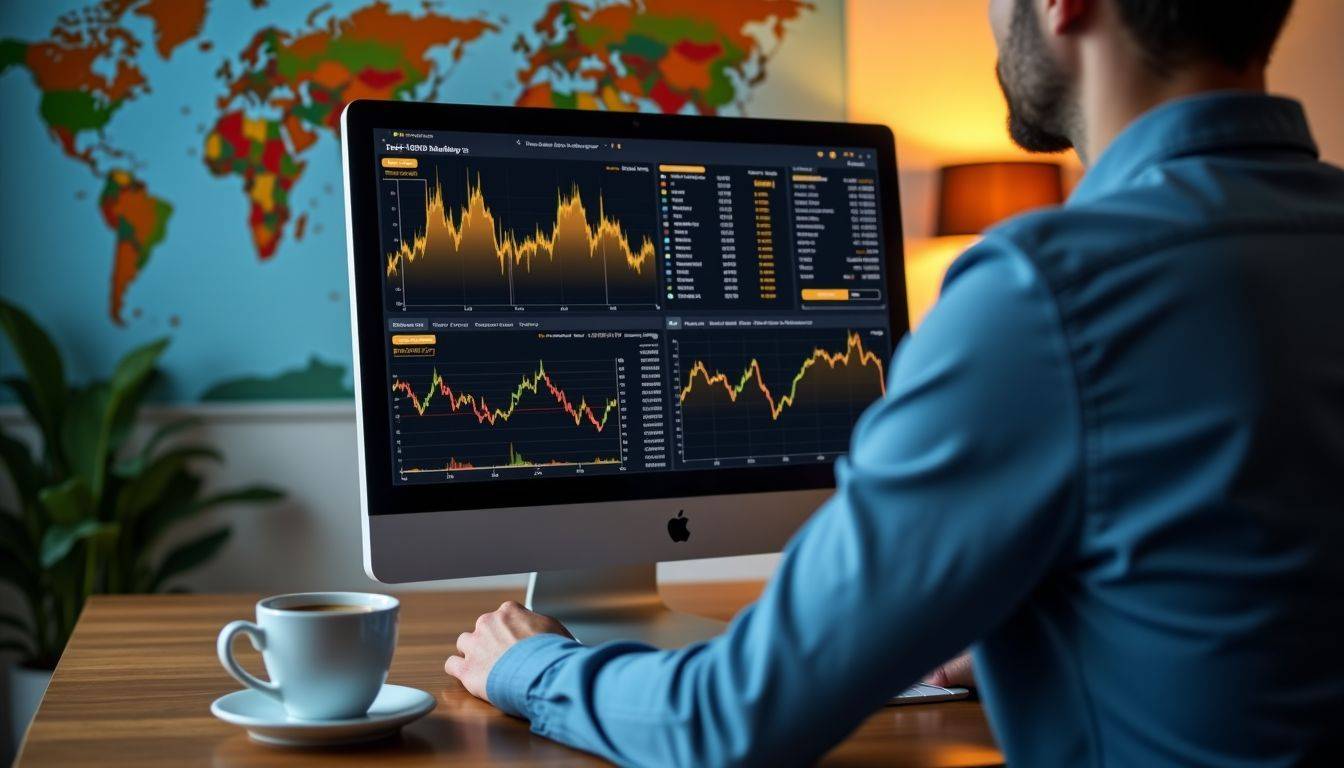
[[1198, 274], [1111, 459]]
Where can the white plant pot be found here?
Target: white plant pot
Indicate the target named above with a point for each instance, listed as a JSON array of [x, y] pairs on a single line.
[[25, 688]]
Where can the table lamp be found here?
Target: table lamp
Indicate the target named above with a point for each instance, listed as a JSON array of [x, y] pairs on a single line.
[[976, 196], [972, 198]]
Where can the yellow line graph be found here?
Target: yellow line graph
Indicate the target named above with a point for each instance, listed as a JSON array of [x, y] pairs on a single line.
[[473, 228], [854, 351]]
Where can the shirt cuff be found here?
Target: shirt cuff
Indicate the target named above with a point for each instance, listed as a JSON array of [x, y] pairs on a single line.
[[520, 666]]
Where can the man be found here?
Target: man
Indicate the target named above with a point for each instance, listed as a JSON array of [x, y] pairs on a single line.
[[1111, 460]]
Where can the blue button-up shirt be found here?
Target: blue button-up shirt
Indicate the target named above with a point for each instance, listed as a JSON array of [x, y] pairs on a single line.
[[1111, 460]]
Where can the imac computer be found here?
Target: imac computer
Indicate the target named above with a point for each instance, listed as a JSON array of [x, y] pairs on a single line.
[[587, 342]]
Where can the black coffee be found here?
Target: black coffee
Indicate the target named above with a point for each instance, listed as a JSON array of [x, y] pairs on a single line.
[[329, 608]]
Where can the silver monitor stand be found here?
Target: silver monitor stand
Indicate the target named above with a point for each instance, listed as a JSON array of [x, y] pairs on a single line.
[[616, 603]]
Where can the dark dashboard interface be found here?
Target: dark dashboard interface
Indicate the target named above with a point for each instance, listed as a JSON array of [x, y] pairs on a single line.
[[556, 306]]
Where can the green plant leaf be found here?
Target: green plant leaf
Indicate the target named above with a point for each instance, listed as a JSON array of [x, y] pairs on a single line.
[[42, 364], [60, 539], [255, 494], [51, 433], [81, 434], [69, 502], [188, 556], [143, 491], [129, 467], [137, 364], [23, 471], [128, 385], [177, 502], [100, 415], [168, 430], [24, 392], [136, 464]]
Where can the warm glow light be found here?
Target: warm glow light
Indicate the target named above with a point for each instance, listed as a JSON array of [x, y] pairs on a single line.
[[926, 261], [974, 197], [927, 70]]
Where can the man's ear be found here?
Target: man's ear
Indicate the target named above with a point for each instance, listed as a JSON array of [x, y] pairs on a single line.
[[1062, 17]]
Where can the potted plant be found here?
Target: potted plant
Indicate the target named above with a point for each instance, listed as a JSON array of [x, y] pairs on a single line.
[[93, 509]]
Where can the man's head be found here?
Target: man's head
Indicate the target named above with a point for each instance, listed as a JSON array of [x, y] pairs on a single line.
[[1043, 53]]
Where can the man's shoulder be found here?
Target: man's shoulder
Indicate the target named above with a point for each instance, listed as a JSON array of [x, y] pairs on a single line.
[[1172, 206], [1069, 243]]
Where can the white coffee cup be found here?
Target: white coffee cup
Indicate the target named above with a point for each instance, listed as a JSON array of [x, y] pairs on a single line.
[[327, 653]]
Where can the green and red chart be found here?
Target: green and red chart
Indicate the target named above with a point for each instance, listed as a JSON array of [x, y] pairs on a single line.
[[172, 166]]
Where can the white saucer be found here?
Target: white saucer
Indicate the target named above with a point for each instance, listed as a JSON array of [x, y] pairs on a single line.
[[266, 721]]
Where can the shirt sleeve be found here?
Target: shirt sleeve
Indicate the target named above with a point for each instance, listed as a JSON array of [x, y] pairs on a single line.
[[960, 493]]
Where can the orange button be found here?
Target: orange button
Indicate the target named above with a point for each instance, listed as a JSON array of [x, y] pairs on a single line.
[[412, 339], [825, 294], [400, 162]]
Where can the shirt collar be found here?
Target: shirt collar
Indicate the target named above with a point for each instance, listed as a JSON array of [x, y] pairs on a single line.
[[1196, 125]]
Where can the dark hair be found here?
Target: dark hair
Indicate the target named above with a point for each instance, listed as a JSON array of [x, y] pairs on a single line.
[[1235, 33]]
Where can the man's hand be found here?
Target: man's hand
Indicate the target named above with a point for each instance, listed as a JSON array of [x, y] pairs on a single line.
[[495, 633], [957, 673]]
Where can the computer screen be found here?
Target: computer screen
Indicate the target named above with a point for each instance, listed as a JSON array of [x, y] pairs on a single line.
[[556, 306]]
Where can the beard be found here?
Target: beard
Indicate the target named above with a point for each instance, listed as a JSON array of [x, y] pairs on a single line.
[[1036, 89]]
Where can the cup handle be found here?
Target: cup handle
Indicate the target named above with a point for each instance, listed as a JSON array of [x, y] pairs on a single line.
[[224, 647]]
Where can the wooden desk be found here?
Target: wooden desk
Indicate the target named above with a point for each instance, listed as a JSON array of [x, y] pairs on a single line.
[[135, 686]]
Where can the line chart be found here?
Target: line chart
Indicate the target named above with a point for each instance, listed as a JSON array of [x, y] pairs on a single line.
[[485, 414], [485, 235], [457, 410], [774, 396]]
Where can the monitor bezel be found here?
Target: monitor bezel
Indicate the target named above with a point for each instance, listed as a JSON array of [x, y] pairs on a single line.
[[359, 120]]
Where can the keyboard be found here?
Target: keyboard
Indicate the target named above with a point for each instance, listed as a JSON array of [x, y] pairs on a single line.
[[923, 693]]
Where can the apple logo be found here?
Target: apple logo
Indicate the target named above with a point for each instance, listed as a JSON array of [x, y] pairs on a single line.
[[677, 527]]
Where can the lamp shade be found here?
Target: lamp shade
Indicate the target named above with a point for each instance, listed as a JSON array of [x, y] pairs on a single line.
[[976, 196]]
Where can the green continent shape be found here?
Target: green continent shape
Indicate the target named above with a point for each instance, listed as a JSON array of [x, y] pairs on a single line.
[[76, 110], [674, 29], [644, 47], [721, 89], [564, 99], [163, 210], [316, 381], [12, 53], [354, 54]]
